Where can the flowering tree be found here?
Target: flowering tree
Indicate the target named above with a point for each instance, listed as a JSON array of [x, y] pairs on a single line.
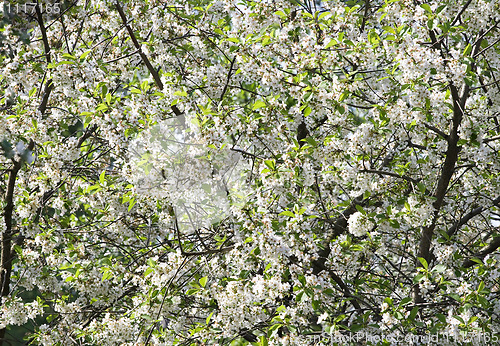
[[251, 172]]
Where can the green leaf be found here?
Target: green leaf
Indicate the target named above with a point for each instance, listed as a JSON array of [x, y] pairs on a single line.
[[421, 187], [344, 96], [356, 328], [323, 15], [441, 317], [426, 7], [298, 298], [275, 327], [339, 318], [208, 318], [413, 313], [307, 111], [268, 266], [180, 93], [311, 142], [270, 164], [407, 206], [102, 107], [424, 262], [192, 291], [18, 249], [418, 277], [258, 104], [131, 204], [287, 213], [405, 301], [360, 209], [108, 274], [476, 260], [101, 177], [467, 50], [84, 55], [69, 56], [459, 318], [203, 281], [389, 29], [302, 279], [332, 43], [483, 301], [472, 319]]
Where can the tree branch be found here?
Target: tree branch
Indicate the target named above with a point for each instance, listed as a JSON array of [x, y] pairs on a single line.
[[7, 256], [144, 58], [48, 85], [446, 173], [491, 247], [365, 15], [228, 78], [453, 229], [391, 174]]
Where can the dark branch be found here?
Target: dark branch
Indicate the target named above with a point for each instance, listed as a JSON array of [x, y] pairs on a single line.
[[495, 244]]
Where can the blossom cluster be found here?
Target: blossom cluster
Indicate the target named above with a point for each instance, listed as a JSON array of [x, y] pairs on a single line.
[[201, 172]]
